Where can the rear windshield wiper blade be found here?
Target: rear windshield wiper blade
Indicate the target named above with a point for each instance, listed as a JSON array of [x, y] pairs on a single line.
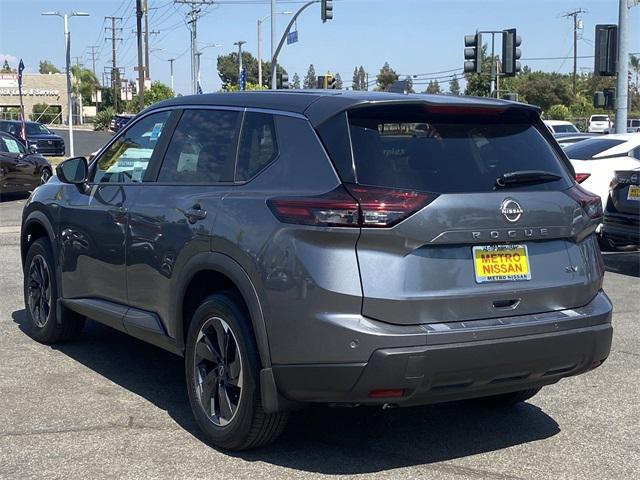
[[524, 177]]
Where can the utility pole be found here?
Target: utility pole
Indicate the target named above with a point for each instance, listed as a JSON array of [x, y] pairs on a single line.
[[93, 57], [622, 82], [274, 65], [239, 43], [171, 60], [141, 72], [193, 22], [146, 40], [115, 77], [576, 23]]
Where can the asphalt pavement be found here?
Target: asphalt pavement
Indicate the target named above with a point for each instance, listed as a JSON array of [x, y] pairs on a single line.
[[109, 406], [85, 142]]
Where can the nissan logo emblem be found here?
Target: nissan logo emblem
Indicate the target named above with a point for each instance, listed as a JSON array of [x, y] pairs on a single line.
[[511, 210]]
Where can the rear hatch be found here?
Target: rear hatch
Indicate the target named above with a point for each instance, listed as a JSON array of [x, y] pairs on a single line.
[[469, 242], [624, 192]]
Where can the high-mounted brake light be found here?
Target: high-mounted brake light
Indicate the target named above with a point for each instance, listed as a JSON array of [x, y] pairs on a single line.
[[351, 206], [581, 177], [590, 203]]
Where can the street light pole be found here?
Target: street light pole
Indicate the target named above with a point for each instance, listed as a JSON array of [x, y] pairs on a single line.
[[622, 84], [67, 44], [260, 44], [273, 44]]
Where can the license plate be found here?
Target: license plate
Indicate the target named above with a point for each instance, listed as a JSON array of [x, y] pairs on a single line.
[[634, 193], [500, 263]]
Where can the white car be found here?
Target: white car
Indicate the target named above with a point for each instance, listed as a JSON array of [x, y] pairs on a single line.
[[595, 160], [561, 126], [599, 123]]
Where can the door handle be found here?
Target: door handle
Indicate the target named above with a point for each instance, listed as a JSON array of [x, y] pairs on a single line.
[[195, 214], [118, 210]]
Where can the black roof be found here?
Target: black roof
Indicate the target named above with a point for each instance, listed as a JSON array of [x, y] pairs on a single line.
[[319, 105]]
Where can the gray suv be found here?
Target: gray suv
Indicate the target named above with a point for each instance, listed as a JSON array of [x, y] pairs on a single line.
[[339, 248]]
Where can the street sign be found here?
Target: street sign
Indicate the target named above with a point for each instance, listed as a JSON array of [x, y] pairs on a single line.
[[292, 37]]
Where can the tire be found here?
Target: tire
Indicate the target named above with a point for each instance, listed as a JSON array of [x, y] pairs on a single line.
[[511, 398], [237, 421], [41, 298]]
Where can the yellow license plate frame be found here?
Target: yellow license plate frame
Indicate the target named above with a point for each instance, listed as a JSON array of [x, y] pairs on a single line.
[[501, 263]]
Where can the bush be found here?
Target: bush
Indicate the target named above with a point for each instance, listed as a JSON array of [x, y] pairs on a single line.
[[103, 119], [558, 112]]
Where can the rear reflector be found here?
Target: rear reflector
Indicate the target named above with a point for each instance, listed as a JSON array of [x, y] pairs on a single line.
[[581, 177], [387, 393], [590, 202], [351, 206]]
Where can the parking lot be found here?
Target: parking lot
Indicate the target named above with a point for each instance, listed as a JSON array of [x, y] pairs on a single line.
[[109, 406]]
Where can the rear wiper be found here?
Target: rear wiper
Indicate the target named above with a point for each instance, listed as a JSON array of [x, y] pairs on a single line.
[[524, 177]]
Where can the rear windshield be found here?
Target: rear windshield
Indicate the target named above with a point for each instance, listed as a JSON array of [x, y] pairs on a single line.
[[564, 129], [599, 118], [447, 154], [589, 148]]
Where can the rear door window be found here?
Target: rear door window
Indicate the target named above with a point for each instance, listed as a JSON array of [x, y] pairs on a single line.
[[258, 145], [202, 148], [588, 149], [452, 154]]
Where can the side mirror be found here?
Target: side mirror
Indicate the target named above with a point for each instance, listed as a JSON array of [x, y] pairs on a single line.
[[33, 149], [74, 170]]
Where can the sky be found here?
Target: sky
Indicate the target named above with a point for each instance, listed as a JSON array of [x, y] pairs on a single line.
[[416, 37]]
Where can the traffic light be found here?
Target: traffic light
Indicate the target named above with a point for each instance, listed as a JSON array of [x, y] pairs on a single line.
[[606, 50], [609, 98], [282, 80], [510, 53], [322, 81], [326, 10], [598, 100], [473, 53]]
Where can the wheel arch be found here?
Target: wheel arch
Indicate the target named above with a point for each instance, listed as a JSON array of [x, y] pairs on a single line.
[[222, 273], [35, 226]]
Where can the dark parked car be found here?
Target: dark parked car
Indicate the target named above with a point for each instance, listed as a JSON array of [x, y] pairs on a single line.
[[21, 168], [341, 248], [119, 121], [39, 136], [622, 214]]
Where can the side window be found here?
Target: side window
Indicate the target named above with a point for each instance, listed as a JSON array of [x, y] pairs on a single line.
[[202, 148], [258, 145], [127, 159], [11, 145]]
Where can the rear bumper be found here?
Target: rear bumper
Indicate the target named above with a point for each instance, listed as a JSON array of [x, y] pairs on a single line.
[[472, 359], [622, 229]]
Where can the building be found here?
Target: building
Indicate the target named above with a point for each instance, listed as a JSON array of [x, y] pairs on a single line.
[[50, 89]]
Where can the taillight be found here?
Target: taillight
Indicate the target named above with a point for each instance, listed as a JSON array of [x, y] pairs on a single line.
[[590, 202], [581, 177], [351, 206]]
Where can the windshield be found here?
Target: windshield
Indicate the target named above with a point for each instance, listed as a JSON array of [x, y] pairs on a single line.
[[36, 129], [590, 148], [464, 153], [599, 118]]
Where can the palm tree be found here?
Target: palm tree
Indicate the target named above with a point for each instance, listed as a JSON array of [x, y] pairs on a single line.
[[635, 65], [85, 82]]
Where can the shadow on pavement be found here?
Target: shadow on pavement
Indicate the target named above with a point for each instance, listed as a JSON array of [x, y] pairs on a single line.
[[320, 439], [8, 197], [625, 263]]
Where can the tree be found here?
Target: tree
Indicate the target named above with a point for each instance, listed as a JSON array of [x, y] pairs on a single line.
[[338, 81], [408, 85], [157, 92], [85, 83], [634, 63], [355, 80], [454, 86], [433, 87], [363, 78], [295, 82], [558, 112], [6, 68], [47, 67], [310, 80], [228, 69], [385, 78]]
